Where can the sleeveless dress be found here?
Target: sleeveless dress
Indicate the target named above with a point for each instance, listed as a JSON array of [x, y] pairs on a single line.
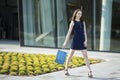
[[79, 37]]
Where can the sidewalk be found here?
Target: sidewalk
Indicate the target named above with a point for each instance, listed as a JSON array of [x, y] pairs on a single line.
[[108, 70]]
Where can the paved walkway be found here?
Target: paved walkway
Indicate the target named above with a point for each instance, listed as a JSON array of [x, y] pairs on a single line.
[[108, 70]]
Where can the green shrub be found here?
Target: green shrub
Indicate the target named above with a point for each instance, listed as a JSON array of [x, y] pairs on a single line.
[[34, 64], [15, 63], [30, 68], [21, 65], [21, 73], [0, 67], [5, 66], [29, 64], [44, 66], [22, 68], [30, 73], [14, 69], [46, 70], [13, 73], [52, 66], [4, 71], [42, 62], [37, 72], [1, 62], [37, 68], [52, 70], [60, 68]]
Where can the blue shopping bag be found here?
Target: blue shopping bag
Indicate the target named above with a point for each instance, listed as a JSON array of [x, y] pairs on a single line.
[[60, 57]]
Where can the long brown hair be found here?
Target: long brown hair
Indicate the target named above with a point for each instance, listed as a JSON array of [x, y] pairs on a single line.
[[74, 14]]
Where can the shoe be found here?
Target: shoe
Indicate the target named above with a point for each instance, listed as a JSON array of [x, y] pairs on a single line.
[[66, 72], [90, 74]]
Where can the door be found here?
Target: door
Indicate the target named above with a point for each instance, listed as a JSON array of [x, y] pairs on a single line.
[[9, 20]]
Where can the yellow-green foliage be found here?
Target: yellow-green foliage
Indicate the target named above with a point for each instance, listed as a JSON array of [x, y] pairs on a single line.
[[30, 68], [37, 72], [14, 68], [21, 73], [21, 64], [13, 73], [46, 70]]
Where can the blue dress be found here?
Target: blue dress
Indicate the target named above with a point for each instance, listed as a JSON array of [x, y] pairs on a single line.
[[79, 37]]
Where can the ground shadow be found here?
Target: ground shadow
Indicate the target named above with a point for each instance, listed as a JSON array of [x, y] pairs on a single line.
[[94, 78], [76, 76], [100, 78]]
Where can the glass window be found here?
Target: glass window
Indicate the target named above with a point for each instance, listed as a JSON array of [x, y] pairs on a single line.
[[65, 9], [115, 26], [62, 23], [107, 25], [39, 23], [46, 22], [97, 26]]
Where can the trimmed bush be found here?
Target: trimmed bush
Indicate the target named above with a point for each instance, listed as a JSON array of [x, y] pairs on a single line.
[[22, 64], [37, 72], [13, 73], [22, 72], [46, 70]]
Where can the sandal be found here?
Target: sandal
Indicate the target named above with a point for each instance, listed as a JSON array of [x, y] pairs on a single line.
[[66, 72], [90, 74]]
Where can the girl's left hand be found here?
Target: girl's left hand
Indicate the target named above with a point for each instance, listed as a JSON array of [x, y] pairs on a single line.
[[64, 45], [85, 43]]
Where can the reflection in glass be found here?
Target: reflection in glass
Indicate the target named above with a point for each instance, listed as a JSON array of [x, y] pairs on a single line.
[[115, 28], [62, 24], [86, 7], [39, 22]]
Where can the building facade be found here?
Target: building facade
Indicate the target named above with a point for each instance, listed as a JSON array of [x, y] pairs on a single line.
[[44, 23]]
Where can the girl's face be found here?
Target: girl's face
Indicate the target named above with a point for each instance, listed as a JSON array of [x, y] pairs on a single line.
[[79, 14]]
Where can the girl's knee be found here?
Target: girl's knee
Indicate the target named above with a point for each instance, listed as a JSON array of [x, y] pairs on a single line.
[[84, 52], [71, 52]]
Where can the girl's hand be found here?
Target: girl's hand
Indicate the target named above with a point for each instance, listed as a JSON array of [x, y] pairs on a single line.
[[85, 43], [64, 45]]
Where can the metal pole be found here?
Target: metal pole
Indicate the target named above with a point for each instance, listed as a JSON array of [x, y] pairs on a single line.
[[55, 35], [94, 24]]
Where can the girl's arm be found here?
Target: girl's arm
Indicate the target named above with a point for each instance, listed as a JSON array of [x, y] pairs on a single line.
[[68, 34], [85, 32]]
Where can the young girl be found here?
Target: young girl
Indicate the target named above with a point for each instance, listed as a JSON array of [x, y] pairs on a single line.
[[79, 41]]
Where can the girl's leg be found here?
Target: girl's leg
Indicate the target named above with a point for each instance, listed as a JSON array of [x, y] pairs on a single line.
[[68, 60], [84, 52]]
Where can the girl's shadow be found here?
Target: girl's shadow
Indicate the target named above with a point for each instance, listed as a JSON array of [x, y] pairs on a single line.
[[76, 76]]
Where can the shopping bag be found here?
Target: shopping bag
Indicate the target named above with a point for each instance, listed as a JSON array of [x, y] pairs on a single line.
[[60, 57]]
